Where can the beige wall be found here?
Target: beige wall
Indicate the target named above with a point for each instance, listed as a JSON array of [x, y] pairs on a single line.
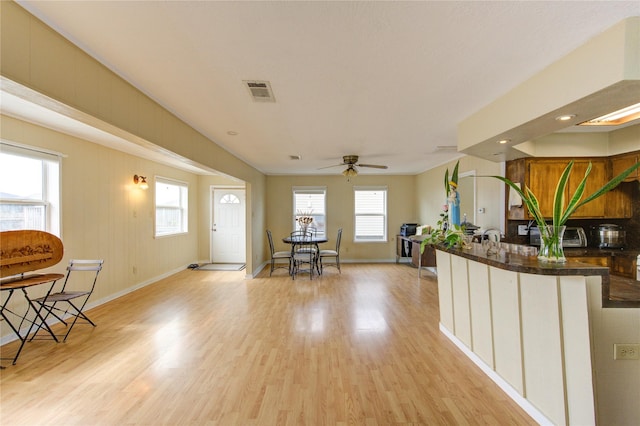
[[400, 208], [596, 144], [624, 140], [430, 194], [105, 216], [41, 60]]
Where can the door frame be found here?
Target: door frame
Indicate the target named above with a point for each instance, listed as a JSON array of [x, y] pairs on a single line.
[[212, 189]]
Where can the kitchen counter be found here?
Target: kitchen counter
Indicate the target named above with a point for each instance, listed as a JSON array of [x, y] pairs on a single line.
[[593, 251], [500, 310], [617, 292]]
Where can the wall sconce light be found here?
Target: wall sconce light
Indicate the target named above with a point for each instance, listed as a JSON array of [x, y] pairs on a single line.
[[141, 181]]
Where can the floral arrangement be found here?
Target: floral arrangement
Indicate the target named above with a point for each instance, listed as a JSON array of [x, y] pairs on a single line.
[[551, 235], [304, 217]]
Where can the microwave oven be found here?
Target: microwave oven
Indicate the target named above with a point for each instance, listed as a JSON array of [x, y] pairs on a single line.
[[573, 237]]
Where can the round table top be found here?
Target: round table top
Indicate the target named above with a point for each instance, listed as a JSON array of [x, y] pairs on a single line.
[[313, 240]]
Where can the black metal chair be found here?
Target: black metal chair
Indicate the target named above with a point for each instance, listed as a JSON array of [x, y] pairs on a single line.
[[50, 303], [327, 254], [304, 252], [278, 256]]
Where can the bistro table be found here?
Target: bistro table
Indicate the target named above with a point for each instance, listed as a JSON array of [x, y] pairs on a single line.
[[23, 283], [314, 239], [23, 252]]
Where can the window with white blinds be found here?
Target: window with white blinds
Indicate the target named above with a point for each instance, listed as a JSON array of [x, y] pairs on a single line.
[[370, 213], [310, 201], [29, 189]]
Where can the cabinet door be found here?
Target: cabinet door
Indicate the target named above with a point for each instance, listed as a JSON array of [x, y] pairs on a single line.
[[543, 177], [622, 163], [597, 178], [619, 201], [624, 266]]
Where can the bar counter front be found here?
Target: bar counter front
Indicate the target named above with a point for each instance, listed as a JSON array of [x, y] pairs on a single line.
[[544, 332]]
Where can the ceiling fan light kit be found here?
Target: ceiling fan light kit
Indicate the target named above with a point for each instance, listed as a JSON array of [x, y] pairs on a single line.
[[350, 171]]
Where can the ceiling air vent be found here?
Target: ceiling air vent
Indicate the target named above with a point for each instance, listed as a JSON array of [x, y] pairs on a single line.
[[260, 90]]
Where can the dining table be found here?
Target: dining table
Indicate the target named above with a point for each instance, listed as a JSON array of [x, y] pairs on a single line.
[[313, 239]]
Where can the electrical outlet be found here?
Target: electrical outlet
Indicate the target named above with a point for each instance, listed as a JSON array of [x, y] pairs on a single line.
[[626, 351], [522, 230]]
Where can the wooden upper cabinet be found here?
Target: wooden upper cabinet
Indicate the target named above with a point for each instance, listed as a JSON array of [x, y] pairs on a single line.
[[543, 176], [597, 178], [620, 163]]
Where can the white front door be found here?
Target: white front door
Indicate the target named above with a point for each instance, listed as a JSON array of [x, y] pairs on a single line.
[[228, 236]]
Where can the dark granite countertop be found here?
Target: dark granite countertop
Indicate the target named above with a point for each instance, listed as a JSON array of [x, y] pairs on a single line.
[[592, 251], [628, 298]]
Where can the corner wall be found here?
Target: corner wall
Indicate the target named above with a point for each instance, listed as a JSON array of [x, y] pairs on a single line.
[[340, 211], [430, 195], [36, 57], [105, 216]]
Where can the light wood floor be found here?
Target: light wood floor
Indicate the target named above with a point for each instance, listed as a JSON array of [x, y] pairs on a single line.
[[211, 348]]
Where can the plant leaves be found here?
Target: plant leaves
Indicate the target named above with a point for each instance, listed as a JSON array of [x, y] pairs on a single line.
[[573, 203], [609, 185], [454, 176], [446, 183], [558, 198]]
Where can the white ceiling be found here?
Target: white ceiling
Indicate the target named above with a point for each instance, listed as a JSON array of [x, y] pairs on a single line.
[[388, 81]]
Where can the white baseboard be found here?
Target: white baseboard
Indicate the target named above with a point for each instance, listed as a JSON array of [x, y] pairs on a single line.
[[502, 384], [11, 336]]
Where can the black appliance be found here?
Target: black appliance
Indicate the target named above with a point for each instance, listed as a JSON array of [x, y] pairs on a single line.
[[407, 230]]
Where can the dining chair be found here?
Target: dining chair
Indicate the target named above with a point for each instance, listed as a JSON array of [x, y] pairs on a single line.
[[278, 256], [305, 252], [324, 254], [85, 276]]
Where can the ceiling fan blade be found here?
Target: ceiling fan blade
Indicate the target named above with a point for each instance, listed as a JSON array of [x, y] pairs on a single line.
[[328, 167], [375, 166]]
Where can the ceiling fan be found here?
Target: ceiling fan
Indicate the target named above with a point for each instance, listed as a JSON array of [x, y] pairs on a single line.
[[351, 161]]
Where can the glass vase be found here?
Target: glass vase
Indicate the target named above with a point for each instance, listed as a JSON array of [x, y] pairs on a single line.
[[551, 244]]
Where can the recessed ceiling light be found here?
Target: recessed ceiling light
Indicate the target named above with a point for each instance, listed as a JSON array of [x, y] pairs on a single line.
[[616, 118], [565, 117], [232, 133], [504, 141]]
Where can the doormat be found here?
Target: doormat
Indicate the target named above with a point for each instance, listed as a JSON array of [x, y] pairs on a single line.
[[221, 267]]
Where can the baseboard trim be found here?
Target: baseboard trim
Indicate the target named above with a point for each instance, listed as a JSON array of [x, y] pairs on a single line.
[[498, 380], [11, 337]]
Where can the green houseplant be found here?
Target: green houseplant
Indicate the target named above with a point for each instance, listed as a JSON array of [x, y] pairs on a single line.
[[447, 232], [551, 235]]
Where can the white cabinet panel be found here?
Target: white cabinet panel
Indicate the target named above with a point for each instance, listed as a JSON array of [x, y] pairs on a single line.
[[505, 309], [480, 301], [541, 343], [577, 350], [443, 260], [460, 287]]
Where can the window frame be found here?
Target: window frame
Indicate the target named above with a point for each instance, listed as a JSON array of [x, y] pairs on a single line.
[[385, 234], [183, 208], [51, 185], [321, 232]]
